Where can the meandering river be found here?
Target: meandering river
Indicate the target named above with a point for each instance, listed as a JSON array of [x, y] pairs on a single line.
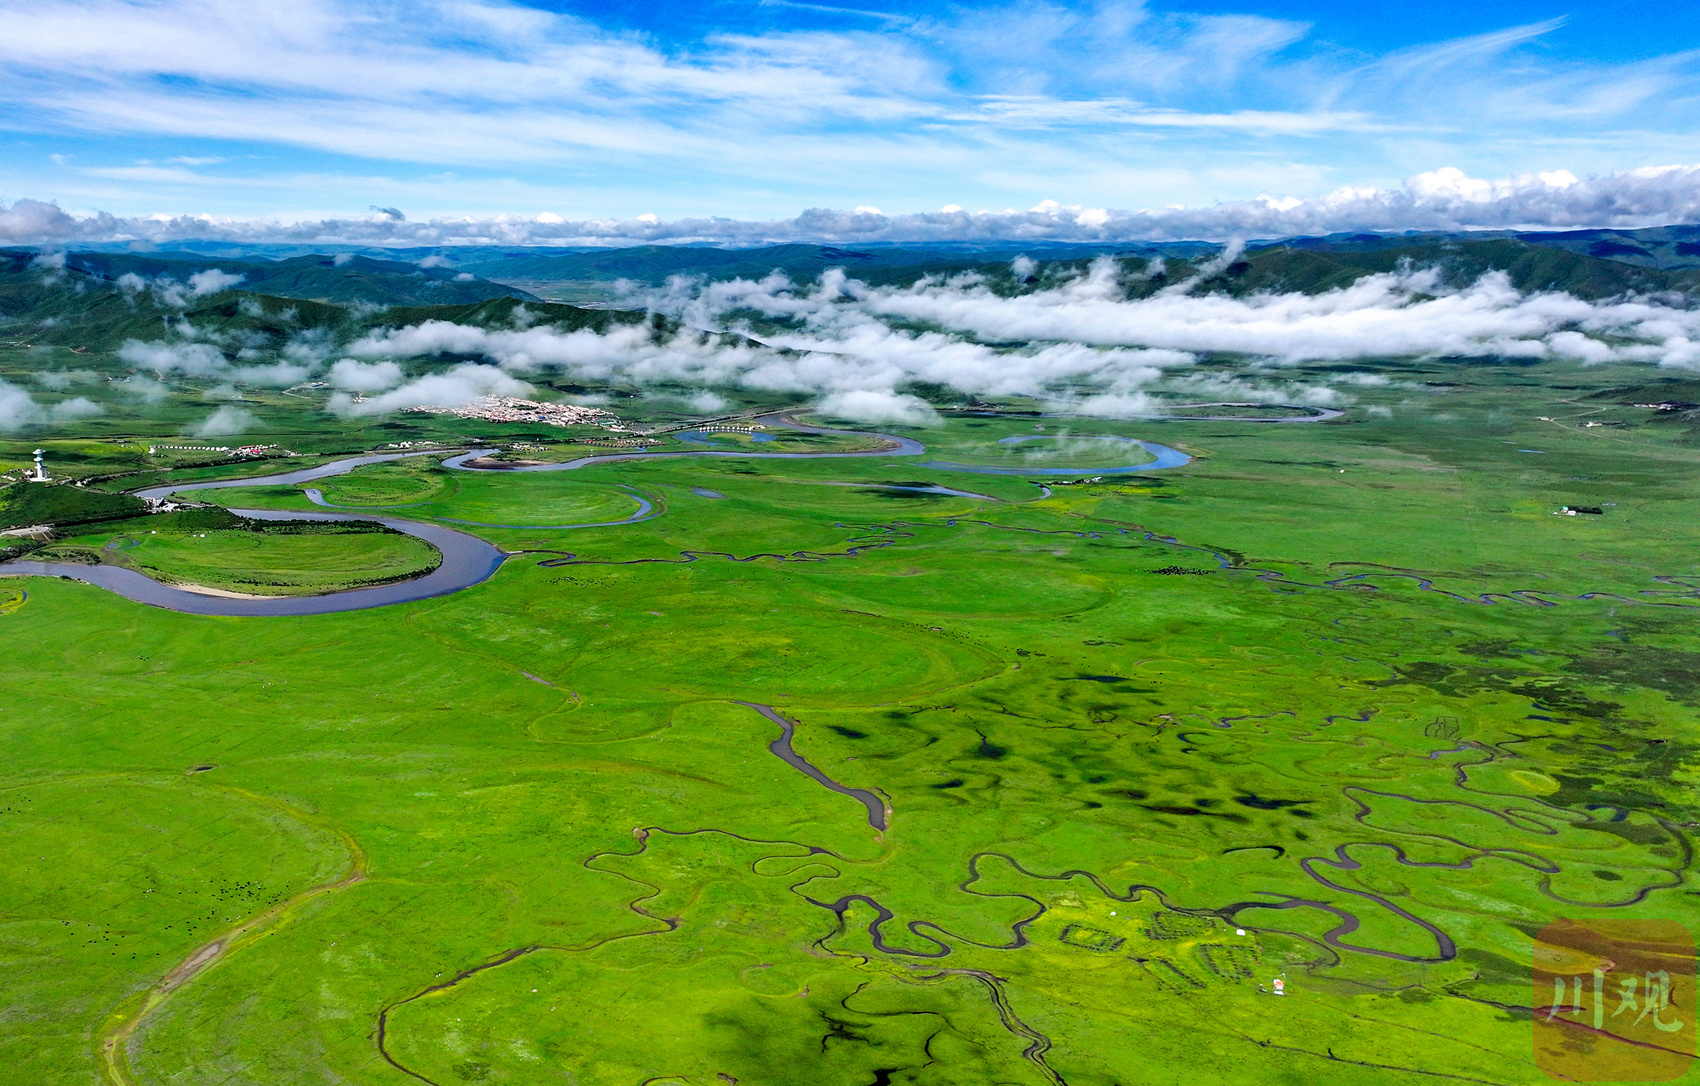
[[467, 559]]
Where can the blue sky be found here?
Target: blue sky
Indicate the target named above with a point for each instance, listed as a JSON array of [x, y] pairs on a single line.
[[1603, 30], [751, 110]]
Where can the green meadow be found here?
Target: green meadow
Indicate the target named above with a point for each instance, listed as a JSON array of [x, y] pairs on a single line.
[[264, 562], [1350, 705]]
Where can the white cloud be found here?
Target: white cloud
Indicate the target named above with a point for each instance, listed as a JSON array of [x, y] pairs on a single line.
[[1210, 269], [988, 105], [189, 359], [29, 220], [1410, 313], [1444, 199], [865, 351], [276, 375], [166, 290], [872, 405], [1581, 347], [1111, 405], [213, 280], [59, 380], [17, 407], [226, 421], [460, 385], [145, 389], [470, 81], [300, 359], [352, 375], [78, 407], [853, 345]]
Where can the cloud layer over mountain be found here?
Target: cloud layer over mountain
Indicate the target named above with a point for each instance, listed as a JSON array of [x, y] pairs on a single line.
[[1097, 341], [1445, 199], [859, 350]]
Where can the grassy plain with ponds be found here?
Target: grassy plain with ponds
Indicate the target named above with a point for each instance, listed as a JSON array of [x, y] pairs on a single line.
[[1354, 671]]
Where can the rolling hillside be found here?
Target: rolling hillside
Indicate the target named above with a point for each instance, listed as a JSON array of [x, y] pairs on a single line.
[[341, 278]]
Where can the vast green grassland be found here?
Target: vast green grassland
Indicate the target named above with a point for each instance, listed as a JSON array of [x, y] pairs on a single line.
[[422, 490], [1343, 704]]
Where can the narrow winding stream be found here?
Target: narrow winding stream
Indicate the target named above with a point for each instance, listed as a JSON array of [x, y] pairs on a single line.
[[787, 754]]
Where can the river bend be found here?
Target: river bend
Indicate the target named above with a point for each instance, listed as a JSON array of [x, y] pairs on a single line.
[[467, 559]]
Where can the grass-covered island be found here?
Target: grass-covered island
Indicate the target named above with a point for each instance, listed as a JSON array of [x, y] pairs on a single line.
[[210, 548]]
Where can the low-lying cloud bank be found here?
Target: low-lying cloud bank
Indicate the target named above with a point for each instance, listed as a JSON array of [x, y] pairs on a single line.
[[168, 290], [459, 385], [19, 409], [226, 421], [1409, 313], [1445, 199], [862, 351], [876, 353]]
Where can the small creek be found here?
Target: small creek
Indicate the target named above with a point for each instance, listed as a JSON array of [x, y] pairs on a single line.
[[782, 747]]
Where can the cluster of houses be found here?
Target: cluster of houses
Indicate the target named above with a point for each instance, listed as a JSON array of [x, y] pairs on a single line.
[[243, 450], [514, 409], [1669, 405], [728, 429]]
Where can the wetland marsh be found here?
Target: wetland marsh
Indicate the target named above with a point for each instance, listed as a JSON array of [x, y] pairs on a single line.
[[1039, 810]]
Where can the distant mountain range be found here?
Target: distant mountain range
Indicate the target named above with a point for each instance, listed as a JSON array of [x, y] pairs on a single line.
[[86, 305], [337, 278], [1588, 264], [1322, 264], [1665, 247], [652, 265], [95, 298]]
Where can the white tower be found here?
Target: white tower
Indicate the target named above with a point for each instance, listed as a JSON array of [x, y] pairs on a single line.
[[40, 474]]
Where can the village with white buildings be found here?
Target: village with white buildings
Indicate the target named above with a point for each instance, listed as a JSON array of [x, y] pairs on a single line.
[[515, 409]]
